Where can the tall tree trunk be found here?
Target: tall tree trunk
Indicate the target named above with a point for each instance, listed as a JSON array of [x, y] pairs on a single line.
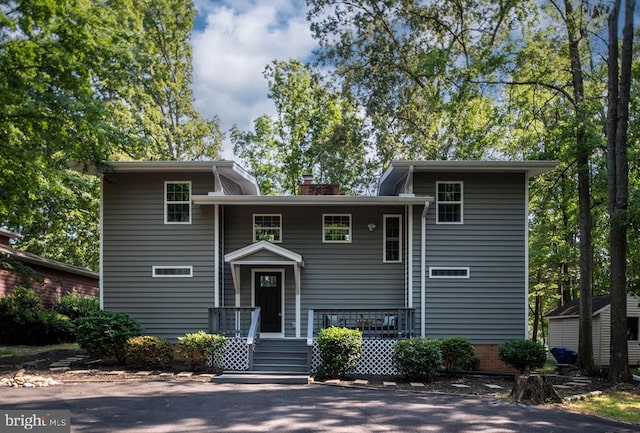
[[619, 88], [583, 153]]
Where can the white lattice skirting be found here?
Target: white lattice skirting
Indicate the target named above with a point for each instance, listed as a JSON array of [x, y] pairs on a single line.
[[376, 358], [235, 357]]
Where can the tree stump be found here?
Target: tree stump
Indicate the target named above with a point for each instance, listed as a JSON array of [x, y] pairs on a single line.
[[534, 389]]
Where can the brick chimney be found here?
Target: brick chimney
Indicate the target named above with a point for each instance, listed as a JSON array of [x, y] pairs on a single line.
[[310, 188]]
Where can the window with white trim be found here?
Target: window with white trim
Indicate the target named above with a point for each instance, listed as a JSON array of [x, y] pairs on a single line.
[[449, 202], [177, 202], [267, 227], [392, 238], [172, 271], [448, 272], [336, 228]]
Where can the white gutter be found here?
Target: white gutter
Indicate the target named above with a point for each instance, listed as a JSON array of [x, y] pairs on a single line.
[[343, 200], [423, 268]]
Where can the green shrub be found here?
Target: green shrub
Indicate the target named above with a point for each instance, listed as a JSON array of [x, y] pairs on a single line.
[[149, 352], [458, 354], [23, 317], [105, 333], [198, 346], [76, 306], [59, 328], [523, 355], [340, 349], [417, 358]]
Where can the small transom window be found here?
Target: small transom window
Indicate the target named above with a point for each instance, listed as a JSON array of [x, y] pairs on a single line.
[[336, 228], [449, 203], [448, 272], [172, 271], [177, 199], [267, 228]]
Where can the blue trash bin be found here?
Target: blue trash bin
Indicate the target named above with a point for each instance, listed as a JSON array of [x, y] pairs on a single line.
[[564, 356]]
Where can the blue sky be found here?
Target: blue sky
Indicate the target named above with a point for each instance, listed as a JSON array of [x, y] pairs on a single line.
[[232, 42]]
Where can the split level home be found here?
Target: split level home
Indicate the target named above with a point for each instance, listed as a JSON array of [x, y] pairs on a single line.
[[439, 251]]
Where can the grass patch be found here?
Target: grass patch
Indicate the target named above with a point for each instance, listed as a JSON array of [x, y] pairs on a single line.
[[549, 367], [34, 350], [618, 405]]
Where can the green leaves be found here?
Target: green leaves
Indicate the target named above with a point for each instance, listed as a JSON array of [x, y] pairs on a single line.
[[315, 132]]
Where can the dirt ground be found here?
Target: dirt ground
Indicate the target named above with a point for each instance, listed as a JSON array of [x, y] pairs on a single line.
[[91, 370]]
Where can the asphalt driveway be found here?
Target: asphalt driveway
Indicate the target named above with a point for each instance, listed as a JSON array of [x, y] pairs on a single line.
[[157, 406]]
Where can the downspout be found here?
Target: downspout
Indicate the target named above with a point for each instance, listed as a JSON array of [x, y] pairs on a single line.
[[101, 246], [408, 189], [423, 268], [216, 256], [526, 256]]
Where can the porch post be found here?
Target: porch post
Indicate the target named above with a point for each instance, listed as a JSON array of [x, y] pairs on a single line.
[[235, 275], [296, 271]]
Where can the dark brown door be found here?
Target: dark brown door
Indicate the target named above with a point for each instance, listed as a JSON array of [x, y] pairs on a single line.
[[268, 296]]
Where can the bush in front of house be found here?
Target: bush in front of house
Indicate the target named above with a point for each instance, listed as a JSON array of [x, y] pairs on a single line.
[[198, 346], [523, 355], [458, 354], [148, 352], [105, 333], [25, 321], [75, 306], [417, 358], [340, 350]]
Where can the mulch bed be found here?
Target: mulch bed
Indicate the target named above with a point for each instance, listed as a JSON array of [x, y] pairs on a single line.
[[467, 384]]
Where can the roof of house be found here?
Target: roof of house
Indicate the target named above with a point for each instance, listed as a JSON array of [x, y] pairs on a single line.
[[398, 171], [572, 309], [229, 169], [35, 259]]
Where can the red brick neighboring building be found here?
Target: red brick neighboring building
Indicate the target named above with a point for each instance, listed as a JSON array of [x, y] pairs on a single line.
[[50, 278]]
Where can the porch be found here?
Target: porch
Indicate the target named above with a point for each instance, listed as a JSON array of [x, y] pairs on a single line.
[[245, 351]]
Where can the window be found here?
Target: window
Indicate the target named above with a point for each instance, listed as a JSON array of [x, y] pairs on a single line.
[[172, 271], [267, 228], [392, 238], [448, 272], [632, 328], [449, 203], [177, 203], [336, 228]]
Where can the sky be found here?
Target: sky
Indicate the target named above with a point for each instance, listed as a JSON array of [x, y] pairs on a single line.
[[232, 42]]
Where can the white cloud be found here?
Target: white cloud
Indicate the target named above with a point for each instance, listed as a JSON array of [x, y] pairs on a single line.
[[232, 46]]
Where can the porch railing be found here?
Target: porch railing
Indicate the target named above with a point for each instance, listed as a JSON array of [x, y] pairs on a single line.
[[232, 322], [373, 322]]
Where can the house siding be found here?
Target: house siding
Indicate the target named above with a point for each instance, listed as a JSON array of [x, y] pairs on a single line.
[[335, 275], [489, 306], [136, 238]]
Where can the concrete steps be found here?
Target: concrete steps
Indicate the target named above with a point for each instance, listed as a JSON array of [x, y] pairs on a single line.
[[249, 377]]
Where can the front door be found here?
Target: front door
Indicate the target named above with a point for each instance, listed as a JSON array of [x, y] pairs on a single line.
[[268, 296]]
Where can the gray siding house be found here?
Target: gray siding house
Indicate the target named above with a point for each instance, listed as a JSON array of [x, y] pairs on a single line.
[[440, 251]]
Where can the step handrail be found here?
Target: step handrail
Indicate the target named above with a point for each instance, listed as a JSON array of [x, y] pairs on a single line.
[[310, 328], [254, 329]]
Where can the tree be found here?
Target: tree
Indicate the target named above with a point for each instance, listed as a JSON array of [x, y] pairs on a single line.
[[412, 66], [88, 81], [315, 132], [156, 107], [618, 92]]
